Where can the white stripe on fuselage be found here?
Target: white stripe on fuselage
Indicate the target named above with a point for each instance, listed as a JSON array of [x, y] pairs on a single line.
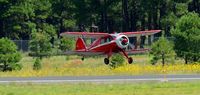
[[113, 41], [106, 43]]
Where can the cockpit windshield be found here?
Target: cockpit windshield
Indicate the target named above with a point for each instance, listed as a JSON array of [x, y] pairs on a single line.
[[113, 36], [106, 39]]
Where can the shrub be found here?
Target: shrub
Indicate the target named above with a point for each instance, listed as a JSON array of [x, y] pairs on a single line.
[[187, 37], [117, 60], [16, 66], [162, 49], [37, 65], [67, 44], [9, 55], [40, 45]]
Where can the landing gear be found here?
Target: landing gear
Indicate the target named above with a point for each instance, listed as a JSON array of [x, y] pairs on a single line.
[[82, 58], [130, 60], [106, 61]]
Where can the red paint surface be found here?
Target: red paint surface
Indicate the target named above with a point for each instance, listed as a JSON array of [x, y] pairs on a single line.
[[105, 42], [80, 44]]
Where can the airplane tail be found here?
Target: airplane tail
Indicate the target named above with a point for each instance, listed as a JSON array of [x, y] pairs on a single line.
[[80, 44]]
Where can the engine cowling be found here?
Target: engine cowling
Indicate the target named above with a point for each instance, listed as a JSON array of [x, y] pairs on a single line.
[[122, 41]]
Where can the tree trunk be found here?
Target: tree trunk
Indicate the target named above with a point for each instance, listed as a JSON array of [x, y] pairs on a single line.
[[110, 25], [125, 15], [142, 27], [149, 20], [5, 34], [103, 23], [5, 67], [186, 59], [155, 18], [162, 10], [1, 29], [133, 21], [163, 59], [106, 21], [61, 27]]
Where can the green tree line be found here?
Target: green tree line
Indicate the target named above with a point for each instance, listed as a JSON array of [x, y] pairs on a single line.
[[41, 21], [19, 18]]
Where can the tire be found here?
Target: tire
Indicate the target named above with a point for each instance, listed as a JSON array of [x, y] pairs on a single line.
[[130, 60], [82, 58], [106, 61]]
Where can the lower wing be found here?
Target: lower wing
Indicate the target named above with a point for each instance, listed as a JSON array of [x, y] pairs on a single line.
[[137, 51], [89, 53], [83, 53]]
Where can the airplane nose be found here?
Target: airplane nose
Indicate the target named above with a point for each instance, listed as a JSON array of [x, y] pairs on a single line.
[[124, 41]]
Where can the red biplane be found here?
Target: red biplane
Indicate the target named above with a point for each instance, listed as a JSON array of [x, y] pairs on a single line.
[[106, 44]]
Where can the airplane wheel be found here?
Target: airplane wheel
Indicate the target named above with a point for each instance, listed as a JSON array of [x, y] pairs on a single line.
[[130, 60], [82, 58], [106, 61]]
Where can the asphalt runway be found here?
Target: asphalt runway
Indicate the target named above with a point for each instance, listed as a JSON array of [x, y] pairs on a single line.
[[96, 79]]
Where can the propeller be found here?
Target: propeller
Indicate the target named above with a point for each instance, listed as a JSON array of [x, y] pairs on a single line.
[[124, 40]]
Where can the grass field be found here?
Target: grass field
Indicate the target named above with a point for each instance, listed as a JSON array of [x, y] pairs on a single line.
[[150, 88], [59, 66]]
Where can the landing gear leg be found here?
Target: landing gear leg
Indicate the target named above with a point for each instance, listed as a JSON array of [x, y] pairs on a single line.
[[106, 61], [83, 58], [130, 60]]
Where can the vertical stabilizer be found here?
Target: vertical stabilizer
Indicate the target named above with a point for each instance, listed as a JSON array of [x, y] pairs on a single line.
[[80, 44]]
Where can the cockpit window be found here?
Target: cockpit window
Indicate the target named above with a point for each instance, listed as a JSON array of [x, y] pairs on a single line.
[[113, 37], [106, 40]]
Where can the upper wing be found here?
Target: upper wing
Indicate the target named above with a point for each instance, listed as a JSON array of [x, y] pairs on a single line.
[[83, 34], [140, 33]]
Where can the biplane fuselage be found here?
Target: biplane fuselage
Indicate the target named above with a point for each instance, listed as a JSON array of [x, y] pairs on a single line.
[[110, 43], [107, 44]]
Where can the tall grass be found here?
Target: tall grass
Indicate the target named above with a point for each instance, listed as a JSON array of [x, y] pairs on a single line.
[[59, 66]]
